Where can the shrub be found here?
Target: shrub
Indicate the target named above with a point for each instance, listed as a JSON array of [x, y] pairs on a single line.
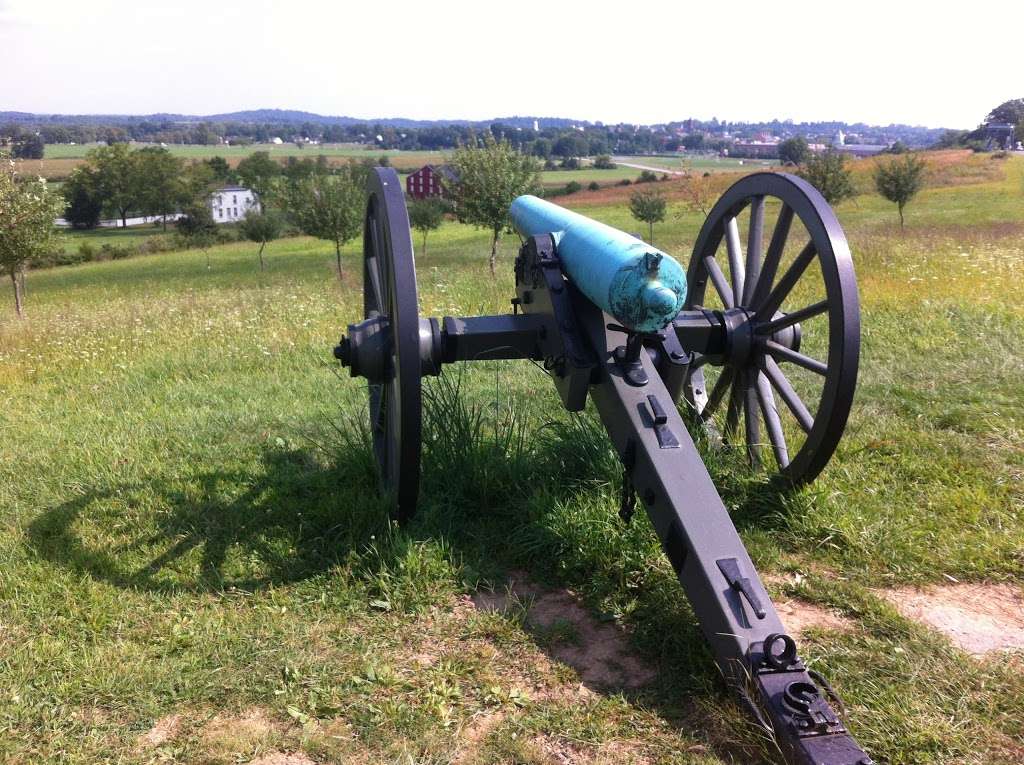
[[604, 162], [573, 186], [593, 186], [647, 176], [624, 182]]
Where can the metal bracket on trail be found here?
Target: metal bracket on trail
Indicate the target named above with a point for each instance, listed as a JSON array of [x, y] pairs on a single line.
[[622, 324]]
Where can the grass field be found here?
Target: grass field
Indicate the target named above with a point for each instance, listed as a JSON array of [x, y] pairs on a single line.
[[195, 566], [700, 163]]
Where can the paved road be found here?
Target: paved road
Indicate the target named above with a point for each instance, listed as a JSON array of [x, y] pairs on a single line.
[[659, 170]]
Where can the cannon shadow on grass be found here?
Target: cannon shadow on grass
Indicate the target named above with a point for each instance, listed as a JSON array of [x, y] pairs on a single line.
[[505, 495], [216, 529]]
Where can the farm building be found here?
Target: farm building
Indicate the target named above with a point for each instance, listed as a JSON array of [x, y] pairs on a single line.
[[229, 204], [429, 181]]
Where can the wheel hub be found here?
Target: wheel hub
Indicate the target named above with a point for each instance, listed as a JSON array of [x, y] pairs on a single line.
[[743, 341]]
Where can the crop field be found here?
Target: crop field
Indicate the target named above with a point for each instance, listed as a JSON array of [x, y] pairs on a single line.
[[195, 566]]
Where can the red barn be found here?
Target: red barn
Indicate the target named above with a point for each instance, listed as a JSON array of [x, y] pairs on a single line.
[[429, 181]]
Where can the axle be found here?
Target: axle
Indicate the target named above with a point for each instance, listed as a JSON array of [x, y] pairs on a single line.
[[722, 336]]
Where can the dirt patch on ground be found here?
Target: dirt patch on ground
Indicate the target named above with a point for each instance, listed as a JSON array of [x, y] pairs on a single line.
[[473, 735], [978, 618], [282, 758], [251, 732], [800, 616], [598, 651], [163, 730]]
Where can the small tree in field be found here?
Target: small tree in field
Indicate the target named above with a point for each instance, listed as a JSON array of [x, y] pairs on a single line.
[[697, 193], [27, 212], [648, 207], [488, 179], [900, 179], [261, 228], [328, 207], [828, 173], [426, 215], [197, 228]]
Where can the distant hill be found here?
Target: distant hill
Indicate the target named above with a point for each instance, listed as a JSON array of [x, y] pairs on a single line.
[[275, 116]]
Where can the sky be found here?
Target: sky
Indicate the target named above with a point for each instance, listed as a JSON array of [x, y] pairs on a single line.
[[637, 62]]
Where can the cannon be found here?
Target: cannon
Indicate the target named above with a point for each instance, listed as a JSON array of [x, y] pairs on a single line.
[[668, 357]]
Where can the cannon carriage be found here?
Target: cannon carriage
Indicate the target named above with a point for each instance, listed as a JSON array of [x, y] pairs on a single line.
[[755, 345]]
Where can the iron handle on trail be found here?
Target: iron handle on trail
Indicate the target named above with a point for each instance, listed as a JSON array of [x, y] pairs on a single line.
[[757, 344]]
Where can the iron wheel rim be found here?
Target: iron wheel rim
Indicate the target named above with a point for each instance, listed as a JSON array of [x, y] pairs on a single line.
[[750, 381], [389, 292]]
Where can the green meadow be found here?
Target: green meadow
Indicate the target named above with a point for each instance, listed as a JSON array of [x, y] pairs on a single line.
[[195, 566]]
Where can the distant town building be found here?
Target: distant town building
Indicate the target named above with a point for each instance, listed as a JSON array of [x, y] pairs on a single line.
[[755, 149], [230, 203], [856, 149], [429, 181]]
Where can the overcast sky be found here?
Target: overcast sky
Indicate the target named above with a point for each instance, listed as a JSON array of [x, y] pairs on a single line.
[[634, 61]]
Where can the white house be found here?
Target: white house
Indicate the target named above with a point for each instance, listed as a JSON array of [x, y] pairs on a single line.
[[230, 203]]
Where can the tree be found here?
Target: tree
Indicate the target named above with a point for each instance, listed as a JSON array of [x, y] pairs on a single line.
[[221, 169], [426, 215], [898, 180], [487, 179], [83, 204], [31, 146], [261, 227], [604, 162], [697, 193], [1009, 112], [159, 179], [197, 228], [194, 187], [117, 178], [258, 172], [648, 207], [27, 210], [328, 207], [794, 150], [828, 173]]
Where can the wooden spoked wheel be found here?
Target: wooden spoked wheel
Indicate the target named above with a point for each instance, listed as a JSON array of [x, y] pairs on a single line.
[[784, 384]]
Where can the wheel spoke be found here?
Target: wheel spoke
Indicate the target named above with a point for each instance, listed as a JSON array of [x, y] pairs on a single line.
[[718, 279], [373, 274], [789, 319], [789, 279], [750, 419], [793, 401], [732, 414], [770, 412], [799, 359], [755, 246], [770, 266], [718, 392], [732, 245]]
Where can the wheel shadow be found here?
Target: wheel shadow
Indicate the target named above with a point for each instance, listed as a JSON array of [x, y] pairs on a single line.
[[292, 519]]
